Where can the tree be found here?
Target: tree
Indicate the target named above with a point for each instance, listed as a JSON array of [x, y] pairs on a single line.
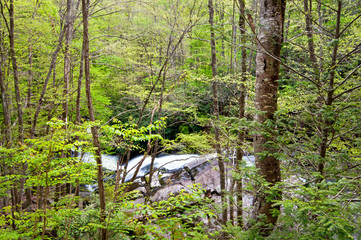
[[269, 44], [94, 129], [242, 103], [217, 139]]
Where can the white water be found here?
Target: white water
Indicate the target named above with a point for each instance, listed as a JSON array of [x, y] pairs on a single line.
[[169, 162], [109, 161]]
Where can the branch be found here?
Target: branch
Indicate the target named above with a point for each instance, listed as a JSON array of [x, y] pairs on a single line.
[[348, 25], [320, 1], [130, 110], [345, 79], [278, 59], [347, 91], [2, 13], [313, 21], [348, 54], [200, 39]]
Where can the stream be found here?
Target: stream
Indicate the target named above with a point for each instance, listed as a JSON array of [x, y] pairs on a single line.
[[167, 162]]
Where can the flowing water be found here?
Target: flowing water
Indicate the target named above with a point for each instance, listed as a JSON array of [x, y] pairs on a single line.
[[167, 163]]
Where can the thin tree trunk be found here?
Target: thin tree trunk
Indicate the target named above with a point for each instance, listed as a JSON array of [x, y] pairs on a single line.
[[43, 91], [326, 122], [94, 129], [309, 33], [232, 71], [216, 112], [241, 110], [15, 72], [156, 144], [4, 98], [7, 118], [78, 96], [30, 79], [270, 40], [15, 196], [67, 71], [67, 66], [77, 110]]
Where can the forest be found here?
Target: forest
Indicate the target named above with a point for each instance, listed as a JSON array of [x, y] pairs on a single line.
[[223, 81]]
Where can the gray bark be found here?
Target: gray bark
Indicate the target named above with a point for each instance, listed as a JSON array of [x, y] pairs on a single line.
[[270, 40]]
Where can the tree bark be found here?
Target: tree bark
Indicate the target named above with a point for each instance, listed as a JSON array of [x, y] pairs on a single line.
[[78, 91], [309, 32], [30, 78], [269, 45], [221, 166], [241, 110], [326, 123], [15, 72], [94, 129], [4, 98], [67, 66]]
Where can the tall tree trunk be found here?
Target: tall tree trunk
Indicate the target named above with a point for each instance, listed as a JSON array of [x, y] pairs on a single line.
[[67, 70], [77, 109], [231, 72], [307, 4], [15, 72], [241, 110], [326, 123], [221, 166], [6, 112], [67, 66], [269, 45], [94, 129], [30, 77], [4, 97], [78, 91], [15, 195]]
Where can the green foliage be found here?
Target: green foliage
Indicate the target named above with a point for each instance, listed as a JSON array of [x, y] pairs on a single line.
[[195, 142], [134, 50], [127, 136], [319, 212], [179, 217], [47, 166]]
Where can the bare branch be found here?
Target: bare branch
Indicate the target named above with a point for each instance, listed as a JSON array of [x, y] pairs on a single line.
[[130, 110], [348, 54], [345, 79], [347, 91], [348, 25]]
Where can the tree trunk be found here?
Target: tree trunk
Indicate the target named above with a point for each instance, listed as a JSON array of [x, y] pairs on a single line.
[[326, 123], [309, 33], [241, 110], [231, 72], [78, 91], [67, 66], [94, 129], [221, 166], [15, 195], [4, 98], [43, 91], [269, 45], [15, 72], [6, 113], [30, 78]]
